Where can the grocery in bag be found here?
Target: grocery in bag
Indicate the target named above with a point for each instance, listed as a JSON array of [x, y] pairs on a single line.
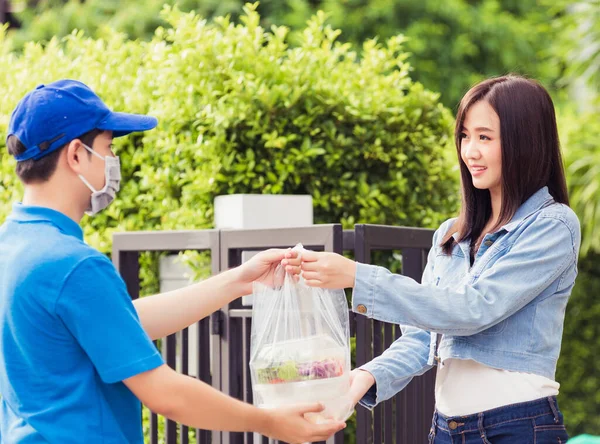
[[300, 347]]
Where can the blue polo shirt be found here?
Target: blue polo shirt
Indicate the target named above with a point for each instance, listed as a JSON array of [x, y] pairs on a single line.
[[69, 334]]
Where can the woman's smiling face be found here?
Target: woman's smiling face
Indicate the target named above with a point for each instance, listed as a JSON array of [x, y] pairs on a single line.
[[480, 146]]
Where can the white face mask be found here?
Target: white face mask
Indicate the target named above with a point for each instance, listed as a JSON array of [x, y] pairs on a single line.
[[112, 181]]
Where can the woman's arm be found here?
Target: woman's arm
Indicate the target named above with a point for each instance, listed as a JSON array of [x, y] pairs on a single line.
[[391, 372], [409, 356], [543, 251]]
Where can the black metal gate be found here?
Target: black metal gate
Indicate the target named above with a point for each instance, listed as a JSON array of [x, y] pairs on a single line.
[[224, 339]]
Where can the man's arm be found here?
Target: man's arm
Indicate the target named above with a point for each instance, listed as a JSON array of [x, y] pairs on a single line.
[[167, 313], [196, 404]]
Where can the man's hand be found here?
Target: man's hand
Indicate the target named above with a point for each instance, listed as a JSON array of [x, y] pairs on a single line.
[[196, 404], [360, 383], [328, 270], [288, 424], [262, 268]]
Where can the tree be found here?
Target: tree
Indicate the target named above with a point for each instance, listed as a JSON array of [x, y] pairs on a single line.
[[453, 43]]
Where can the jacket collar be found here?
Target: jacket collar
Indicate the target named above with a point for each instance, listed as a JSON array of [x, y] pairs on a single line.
[[536, 202]]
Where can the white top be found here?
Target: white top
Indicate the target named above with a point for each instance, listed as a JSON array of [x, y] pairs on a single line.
[[465, 387]]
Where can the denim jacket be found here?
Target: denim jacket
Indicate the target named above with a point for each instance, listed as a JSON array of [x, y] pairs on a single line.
[[505, 311]]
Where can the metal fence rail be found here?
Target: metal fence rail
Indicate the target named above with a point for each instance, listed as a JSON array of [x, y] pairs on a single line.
[[405, 419]]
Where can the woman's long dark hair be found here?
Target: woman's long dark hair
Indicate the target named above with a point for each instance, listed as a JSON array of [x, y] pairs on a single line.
[[531, 156]]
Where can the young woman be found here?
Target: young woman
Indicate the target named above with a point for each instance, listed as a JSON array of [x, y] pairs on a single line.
[[496, 283]]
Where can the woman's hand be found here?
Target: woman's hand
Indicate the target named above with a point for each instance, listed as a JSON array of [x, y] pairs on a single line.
[[328, 270], [261, 268], [360, 383]]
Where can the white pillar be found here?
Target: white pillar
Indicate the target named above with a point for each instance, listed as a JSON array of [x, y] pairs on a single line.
[[255, 211]]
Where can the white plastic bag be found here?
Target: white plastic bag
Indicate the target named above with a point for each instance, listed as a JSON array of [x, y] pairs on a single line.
[[300, 347]]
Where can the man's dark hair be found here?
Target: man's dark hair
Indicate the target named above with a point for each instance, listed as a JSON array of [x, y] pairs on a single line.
[[40, 170]]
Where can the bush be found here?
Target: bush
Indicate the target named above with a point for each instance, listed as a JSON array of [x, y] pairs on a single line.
[[240, 112]]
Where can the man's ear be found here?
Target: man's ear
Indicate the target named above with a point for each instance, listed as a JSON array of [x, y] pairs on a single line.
[[76, 156]]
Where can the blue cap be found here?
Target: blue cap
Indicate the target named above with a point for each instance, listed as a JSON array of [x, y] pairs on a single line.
[[52, 115]]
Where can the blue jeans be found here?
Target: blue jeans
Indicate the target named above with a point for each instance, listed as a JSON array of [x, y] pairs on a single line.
[[533, 422]]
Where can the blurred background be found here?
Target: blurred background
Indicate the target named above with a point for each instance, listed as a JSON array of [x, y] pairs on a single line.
[[264, 98]]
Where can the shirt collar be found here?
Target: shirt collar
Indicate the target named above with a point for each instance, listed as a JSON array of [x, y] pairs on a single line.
[[27, 213], [538, 200]]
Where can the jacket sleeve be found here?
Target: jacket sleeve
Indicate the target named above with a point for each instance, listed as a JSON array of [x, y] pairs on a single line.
[[541, 253]]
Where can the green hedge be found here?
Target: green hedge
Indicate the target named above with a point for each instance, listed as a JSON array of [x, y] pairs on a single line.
[[240, 112]]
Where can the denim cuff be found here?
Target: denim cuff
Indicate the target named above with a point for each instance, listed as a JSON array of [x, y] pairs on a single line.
[[370, 400], [363, 296]]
